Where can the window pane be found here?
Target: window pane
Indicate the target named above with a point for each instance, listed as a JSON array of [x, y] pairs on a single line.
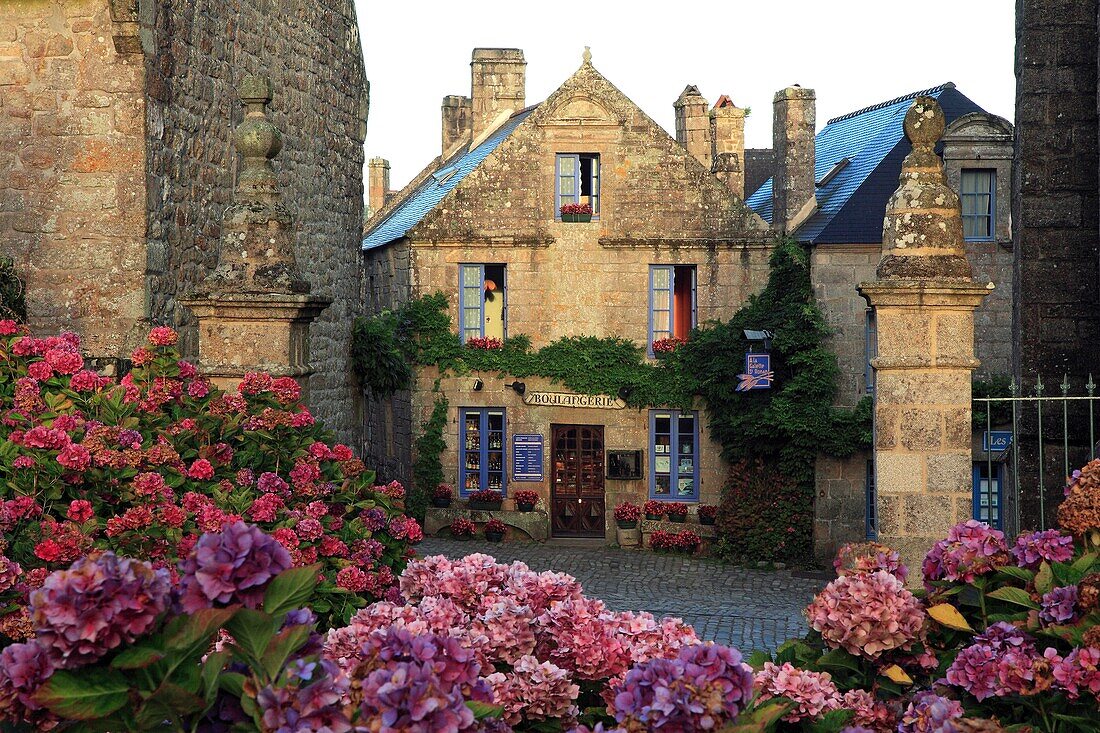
[[662, 324], [972, 228], [661, 300], [567, 165], [661, 278], [567, 187], [471, 276]]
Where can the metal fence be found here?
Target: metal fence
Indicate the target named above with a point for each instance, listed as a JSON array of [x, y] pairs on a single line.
[[1049, 434]]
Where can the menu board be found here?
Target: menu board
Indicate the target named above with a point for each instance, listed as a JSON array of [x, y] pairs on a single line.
[[527, 457]]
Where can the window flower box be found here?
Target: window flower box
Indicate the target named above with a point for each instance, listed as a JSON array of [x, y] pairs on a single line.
[[442, 496], [627, 515], [526, 500], [677, 511], [576, 213], [655, 510], [485, 500]]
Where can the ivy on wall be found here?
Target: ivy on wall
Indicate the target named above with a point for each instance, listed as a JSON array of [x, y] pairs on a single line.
[[427, 467], [13, 306], [780, 430]]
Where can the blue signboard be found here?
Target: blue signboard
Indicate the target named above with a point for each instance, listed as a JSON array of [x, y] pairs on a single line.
[[758, 373], [526, 457], [996, 440]]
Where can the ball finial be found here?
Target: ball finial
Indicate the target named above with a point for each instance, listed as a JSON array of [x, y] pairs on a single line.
[[924, 122]]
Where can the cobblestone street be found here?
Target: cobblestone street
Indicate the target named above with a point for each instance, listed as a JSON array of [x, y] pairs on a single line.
[[749, 609]]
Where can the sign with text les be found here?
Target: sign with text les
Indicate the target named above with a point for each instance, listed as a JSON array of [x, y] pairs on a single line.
[[996, 440], [758, 373]]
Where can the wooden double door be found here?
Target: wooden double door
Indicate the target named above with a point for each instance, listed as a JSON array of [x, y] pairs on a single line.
[[577, 481]]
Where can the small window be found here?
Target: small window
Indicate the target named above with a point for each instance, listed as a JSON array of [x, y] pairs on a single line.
[[481, 301], [870, 347], [674, 455], [978, 199], [481, 459], [671, 302], [872, 511], [987, 492], [578, 181]]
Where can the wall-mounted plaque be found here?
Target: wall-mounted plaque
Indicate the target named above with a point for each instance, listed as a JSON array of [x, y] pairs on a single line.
[[624, 465]]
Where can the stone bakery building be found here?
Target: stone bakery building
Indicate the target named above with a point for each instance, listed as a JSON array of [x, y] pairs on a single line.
[[670, 244]]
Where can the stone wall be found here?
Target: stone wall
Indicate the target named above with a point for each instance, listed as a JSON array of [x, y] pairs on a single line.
[[72, 156], [1056, 206], [196, 54]]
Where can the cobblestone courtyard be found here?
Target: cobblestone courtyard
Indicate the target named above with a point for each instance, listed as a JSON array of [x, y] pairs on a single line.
[[749, 609]]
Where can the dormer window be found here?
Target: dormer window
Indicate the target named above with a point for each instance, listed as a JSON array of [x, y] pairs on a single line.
[[577, 181]]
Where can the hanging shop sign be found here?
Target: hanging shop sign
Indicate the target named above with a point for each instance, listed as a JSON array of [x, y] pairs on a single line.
[[526, 457], [566, 399], [996, 440], [758, 372]]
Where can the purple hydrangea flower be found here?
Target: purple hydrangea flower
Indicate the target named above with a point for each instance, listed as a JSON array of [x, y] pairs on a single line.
[[420, 683], [856, 729], [930, 713], [129, 439], [1059, 606], [9, 573], [972, 548], [97, 605], [703, 687], [231, 566], [316, 706], [1002, 661], [1034, 547], [23, 669], [374, 519]]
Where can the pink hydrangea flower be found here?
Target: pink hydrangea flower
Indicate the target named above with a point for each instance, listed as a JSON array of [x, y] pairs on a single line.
[[533, 691], [201, 469], [163, 336], [972, 548], [1079, 673], [812, 693], [867, 557], [80, 510], [866, 614]]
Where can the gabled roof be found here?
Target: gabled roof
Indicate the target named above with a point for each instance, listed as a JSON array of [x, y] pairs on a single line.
[[434, 187], [852, 201]]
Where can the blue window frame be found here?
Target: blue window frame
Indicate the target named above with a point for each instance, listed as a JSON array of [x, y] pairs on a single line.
[[871, 513], [674, 455], [870, 347], [988, 495], [672, 308], [481, 443], [577, 181], [482, 306], [977, 193]]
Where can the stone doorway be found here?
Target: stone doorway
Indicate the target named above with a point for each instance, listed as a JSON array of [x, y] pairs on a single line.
[[577, 481]]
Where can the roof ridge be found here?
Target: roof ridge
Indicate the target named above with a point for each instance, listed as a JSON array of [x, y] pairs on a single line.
[[904, 97]]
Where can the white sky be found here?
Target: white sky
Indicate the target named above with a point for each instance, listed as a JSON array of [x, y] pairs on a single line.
[[853, 52]]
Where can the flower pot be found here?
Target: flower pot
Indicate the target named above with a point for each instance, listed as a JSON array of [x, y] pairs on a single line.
[[576, 218], [653, 517], [678, 518], [629, 537], [440, 503], [709, 521], [484, 506], [494, 536], [526, 507], [623, 524]]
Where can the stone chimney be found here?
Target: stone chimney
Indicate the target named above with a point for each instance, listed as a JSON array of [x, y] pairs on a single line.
[[793, 192], [457, 111], [693, 124], [378, 184], [497, 81], [727, 125]]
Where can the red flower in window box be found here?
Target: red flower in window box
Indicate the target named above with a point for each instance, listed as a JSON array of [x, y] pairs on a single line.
[[487, 343], [576, 209], [654, 509], [462, 528], [487, 496], [627, 512], [526, 499], [677, 511], [667, 346]]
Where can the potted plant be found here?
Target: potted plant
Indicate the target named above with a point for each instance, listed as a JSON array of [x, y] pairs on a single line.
[[442, 495], [486, 500], [662, 541], [462, 528], [663, 347], [654, 509], [687, 541], [526, 500], [677, 511], [707, 513], [576, 213], [627, 515], [494, 530]]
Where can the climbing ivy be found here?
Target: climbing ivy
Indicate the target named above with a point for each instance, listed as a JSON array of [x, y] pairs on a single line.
[[12, 303], [427, 467]]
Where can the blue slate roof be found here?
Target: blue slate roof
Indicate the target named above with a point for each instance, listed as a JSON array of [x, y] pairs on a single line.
[[852, 203], [442, 181]]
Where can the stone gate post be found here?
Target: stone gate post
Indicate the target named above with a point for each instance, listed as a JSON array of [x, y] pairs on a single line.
[[254, 310], [924, 303]]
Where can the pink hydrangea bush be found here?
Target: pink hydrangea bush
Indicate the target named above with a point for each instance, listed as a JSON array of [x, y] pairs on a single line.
[[866, 614], [144, 465]]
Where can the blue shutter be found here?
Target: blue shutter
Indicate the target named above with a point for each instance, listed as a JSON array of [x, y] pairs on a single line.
[[661, 282]]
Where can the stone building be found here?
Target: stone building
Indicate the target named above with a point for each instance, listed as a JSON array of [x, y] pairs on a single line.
[[116, 161], [853, 168], [670, 244]]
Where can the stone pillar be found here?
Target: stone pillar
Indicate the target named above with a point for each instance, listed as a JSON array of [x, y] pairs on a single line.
[[693, 124], [378, 183], [727, 124], [254, 310], [924, 304], [456, 112], [794, 190]]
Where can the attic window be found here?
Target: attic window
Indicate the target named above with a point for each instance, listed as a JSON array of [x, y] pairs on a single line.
[[443, 175], [837, 168]]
